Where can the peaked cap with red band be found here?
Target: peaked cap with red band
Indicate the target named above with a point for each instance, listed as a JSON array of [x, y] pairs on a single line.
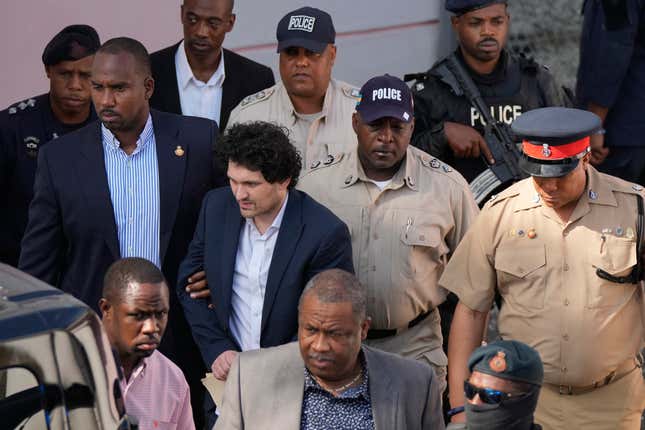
[[554, 139]]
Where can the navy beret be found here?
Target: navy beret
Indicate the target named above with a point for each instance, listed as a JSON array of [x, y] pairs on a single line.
[[70, 44], [459, 7], [508, 359]]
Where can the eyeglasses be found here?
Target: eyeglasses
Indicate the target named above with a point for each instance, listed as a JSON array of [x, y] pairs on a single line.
[[487, 395]]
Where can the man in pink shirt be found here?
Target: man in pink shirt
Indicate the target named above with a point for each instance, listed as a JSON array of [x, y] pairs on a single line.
[[135, 307]]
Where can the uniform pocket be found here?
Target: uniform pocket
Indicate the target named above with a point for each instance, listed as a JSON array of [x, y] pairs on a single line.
[[521, 274], [422, 250], [616, 256]]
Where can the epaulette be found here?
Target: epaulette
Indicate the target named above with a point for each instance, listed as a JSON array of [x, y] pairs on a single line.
[[259, 96], [329, 161], [19, 107], [504, 195], [352, 92], [627, 187], [436, 164]]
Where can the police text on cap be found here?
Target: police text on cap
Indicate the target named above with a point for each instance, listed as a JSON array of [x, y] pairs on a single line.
[[302, 23]]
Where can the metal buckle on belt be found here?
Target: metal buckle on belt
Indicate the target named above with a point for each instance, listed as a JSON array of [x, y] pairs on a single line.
[[382, 333]]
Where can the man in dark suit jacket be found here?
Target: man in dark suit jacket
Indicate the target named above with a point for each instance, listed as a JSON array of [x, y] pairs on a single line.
[[259, 242], [129, 185], [212, 80]]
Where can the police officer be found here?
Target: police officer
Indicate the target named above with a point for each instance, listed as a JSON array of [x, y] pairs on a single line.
[[406, 211], [610, 84], [448, 126], [562, 249], [315, 108], [26, 126]]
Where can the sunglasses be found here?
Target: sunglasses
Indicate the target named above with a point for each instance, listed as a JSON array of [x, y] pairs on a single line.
[[487, 395]]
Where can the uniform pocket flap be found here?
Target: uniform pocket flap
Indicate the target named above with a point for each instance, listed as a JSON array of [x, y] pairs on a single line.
[[618, 255], [421, 236], [520, 261]]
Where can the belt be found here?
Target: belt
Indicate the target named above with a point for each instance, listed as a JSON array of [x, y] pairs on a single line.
[[621, 371], [380, 334]]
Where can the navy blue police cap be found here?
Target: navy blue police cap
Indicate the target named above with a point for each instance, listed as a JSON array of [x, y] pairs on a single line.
[[460, 7], [385, 97], [554, 139], [71, 44], [508, 359], [308, 28]]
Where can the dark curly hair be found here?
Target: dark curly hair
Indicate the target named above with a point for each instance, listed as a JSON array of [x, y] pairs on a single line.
[[261, 146]]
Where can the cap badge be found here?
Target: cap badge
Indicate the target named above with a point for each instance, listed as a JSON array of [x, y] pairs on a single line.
[[546, 151], [179, 151], [593, 195], [302, 23], [498, 363]]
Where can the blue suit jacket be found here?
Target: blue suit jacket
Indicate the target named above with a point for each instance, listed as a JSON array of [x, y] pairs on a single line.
[[311, 239], [71, 237]]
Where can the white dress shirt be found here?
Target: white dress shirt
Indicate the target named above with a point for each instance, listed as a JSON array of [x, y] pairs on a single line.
[[197, 98], [254, 255]]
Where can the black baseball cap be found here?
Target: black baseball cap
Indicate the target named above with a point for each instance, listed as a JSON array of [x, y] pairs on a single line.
[[308, 28], [71, 44], [460, 7], [385, 96], [554, 139]]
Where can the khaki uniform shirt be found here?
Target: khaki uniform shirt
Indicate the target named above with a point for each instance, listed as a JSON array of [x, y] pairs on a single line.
[[330, 133], [584, 327], [402, 236]]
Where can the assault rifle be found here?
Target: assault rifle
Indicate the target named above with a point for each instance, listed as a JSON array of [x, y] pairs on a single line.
[[496, 134]]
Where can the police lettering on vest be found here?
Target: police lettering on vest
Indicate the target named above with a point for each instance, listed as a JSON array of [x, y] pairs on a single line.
[[302, 22], [502, 113], [386, 94]]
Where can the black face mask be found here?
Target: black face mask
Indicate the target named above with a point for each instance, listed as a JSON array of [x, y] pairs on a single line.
[[512, 414]]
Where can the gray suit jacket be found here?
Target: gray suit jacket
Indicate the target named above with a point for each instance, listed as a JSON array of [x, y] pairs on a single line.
[[264, 391]]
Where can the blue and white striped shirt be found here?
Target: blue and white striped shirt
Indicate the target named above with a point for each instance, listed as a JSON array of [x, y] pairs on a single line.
[[134, 188]]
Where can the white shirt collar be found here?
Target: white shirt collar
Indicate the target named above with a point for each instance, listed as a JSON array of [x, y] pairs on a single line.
[[185, 73]]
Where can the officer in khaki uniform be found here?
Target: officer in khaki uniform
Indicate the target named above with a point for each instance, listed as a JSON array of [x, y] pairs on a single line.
[[406, 212], [315, 108], [561, 248]]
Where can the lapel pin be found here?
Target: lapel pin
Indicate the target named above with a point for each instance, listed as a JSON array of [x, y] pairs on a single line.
[[179, 151]]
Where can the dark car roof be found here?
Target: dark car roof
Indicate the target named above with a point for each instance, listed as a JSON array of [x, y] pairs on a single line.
[[29, 306]]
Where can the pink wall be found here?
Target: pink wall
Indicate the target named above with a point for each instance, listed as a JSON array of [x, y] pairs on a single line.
[[27, 25], [374, 36]]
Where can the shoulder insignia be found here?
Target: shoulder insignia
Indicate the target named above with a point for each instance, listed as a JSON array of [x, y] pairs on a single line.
[[504, 195], [330, 160], [352, 92], [22, 106], [637, 187], [254, 98]]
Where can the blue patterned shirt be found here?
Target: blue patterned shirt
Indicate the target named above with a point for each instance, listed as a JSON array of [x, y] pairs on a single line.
[[351, 410], [134, 189]]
